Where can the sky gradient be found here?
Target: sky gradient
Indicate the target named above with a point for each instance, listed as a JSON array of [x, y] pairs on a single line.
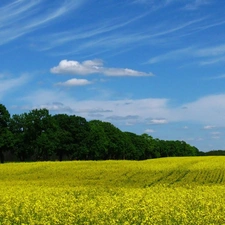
[[146, 66]]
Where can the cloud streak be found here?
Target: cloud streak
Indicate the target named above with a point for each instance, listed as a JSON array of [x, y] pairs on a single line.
[[101, 38], [208, 127], [158, 121], [74, 82], [196, 4], [94, 67], [21, 17], [205, 56], [8, 85]]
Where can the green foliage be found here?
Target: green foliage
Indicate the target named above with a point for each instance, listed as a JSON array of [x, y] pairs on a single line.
[[37, 135], [6, 140], [72, 136], [213, 152]]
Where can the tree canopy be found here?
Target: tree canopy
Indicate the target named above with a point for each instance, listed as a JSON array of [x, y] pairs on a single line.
[[38, 135]]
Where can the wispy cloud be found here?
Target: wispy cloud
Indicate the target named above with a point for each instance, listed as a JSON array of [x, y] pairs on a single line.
[[208, 127], [172, 55], [216, 137], [88, 32], [217, 77], [208, 109], [203, 56], [93, 67], [74, 82], [8, 84], [149, 131], [158, 121], [21, 17], [211, 51], [186, 5], [100, 38], [216, 133], [213, 60], [195, 4]]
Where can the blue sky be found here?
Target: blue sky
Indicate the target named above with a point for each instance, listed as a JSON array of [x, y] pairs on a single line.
[[146, 66]]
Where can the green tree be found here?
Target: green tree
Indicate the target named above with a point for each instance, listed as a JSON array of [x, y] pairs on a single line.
[[72, 135], [116, 144], [140, 146], [40, 133], [97, 141], [64, 143], [18, 127], [150, 149], [6, 140], [79, 129]]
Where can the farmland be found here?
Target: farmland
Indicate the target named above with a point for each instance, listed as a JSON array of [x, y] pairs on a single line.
[[185, 190]]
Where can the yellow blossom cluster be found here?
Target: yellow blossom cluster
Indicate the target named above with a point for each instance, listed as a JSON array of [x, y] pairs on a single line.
[[187, 190]]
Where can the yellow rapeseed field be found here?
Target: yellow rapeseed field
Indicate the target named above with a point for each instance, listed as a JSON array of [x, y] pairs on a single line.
[[186, 190]]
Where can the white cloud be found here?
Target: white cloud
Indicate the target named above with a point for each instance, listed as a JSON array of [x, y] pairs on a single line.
[[213, 60], [172, 55], [200, 139], [206, 56], [208, 127], [211, 51], [196, 4], [30, 15], [217, 77], [158, 121], [74, 82], [10, 84], [57, 107], [98, 37], [87, 32], [215, 137], [149, 131], [93, 67], [74, 67], [215, 132], [205, 110], [209, 110], [134, 111], [211, 55], [124, 72]]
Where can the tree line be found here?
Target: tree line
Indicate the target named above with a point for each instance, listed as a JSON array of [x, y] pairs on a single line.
[[213, 153], [40, 136]]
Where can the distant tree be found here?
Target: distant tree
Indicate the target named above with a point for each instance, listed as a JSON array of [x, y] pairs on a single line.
[[40, 133], [140, 146], [37, 135], [150, 150], [64, 135], [116, 144], [6, 140], [72, 135], [18, 127], [201, 153], [98, 141], [80, 130], [214, 152]]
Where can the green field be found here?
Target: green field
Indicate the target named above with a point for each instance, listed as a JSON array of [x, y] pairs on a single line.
[[186, 190]]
